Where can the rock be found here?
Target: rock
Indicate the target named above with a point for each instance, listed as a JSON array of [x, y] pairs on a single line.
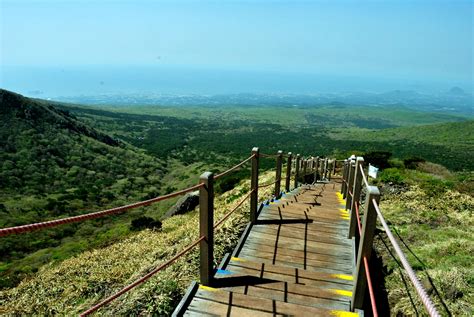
[[187, 203]]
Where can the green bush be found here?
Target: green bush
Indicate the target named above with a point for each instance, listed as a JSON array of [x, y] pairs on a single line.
[[378, 158], [392, 175], [145, 222], [412, 162], [435, 186]]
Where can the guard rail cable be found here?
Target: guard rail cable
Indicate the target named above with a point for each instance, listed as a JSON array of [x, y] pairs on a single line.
[[427, 302]]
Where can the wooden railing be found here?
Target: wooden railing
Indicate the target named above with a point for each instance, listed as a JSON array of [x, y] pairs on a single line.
[[353, 180], [317, 167]]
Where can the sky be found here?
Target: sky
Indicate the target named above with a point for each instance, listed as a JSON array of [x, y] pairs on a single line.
[[423, 40]]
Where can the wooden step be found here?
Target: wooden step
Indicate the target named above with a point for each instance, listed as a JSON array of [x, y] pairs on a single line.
[[216, 302], [289, 274], [296, 263]]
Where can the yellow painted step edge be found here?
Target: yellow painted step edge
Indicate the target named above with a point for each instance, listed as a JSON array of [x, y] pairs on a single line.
[[340, 313]]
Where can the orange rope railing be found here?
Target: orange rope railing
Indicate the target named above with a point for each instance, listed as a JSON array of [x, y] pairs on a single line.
[[98, 214], [268, 155], [234, 168], [142, 279], [269, 184], [233, 210], [430, 307], [93, 215]]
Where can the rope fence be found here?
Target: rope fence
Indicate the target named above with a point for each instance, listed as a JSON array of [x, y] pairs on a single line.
[[221, 221], [267, 185], [366, 267], [268, 155], [430, 307], [234, 168], [350, 187], [93, 215], [142, 279]]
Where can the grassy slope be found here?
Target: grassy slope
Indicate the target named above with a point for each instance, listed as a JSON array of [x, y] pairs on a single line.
[[434, 225], [457, 133], [76, 284], [449, 144], [52, 166]]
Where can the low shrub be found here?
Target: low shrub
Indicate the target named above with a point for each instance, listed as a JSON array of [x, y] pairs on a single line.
[[145, 222], [392, 175], [413, 161]]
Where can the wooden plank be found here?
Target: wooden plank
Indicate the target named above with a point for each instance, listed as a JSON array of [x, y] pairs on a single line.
[[316, 227], [292, 263], [336, 217], [297, 254], [289, 246], [310, 245], [294, 293], [207, 300], [292, 275], [304, 234], [299, 262]]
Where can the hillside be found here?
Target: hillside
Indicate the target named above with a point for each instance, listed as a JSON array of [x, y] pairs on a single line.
[[449, 144], [221, 133], [53, 165], [76, 284]]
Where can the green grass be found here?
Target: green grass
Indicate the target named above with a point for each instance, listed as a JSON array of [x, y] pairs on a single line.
[[434, 225]]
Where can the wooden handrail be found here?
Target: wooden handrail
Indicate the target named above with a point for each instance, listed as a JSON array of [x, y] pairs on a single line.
[[353, 176]]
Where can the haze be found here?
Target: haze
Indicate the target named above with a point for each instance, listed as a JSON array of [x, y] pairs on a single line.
[[400, 41]]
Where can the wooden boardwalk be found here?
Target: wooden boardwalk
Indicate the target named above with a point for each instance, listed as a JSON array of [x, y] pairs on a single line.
[[296, 261]]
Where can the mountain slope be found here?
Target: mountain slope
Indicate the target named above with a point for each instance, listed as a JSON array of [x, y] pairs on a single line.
[[51, 166], [448, 144]]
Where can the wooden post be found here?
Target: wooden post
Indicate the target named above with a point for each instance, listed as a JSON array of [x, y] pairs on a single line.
[[317, 163], [365, 247], [297, 169], [334, 167], [326, 168], [288, 172], [315, 168], [344, 179], [350, 183], [278, 174], [305, 166], [254, 186], [331, 163], [356, 199], [206, 227]]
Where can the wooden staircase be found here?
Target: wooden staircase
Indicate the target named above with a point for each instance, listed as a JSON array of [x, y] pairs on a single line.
[[295, 261]]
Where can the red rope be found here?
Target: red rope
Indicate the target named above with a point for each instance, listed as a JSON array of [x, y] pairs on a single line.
[[268, 155], [235, 167], [233, 210], [266, 185], [93, 215], [142, 279]]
